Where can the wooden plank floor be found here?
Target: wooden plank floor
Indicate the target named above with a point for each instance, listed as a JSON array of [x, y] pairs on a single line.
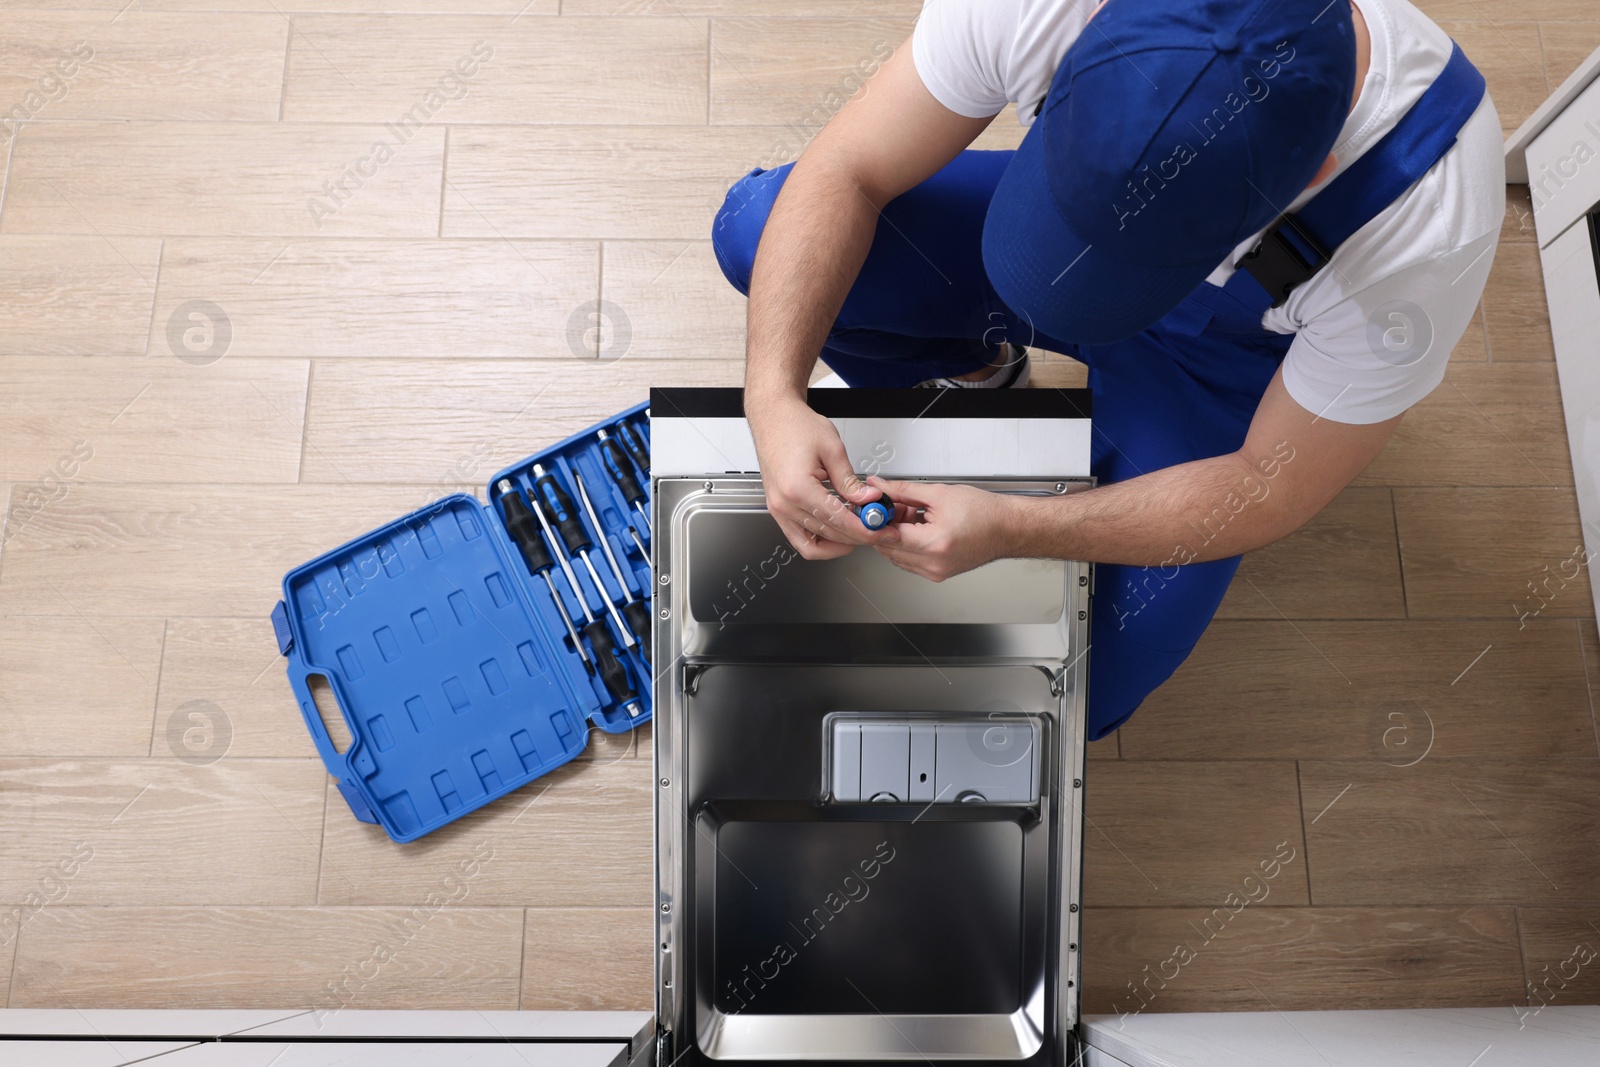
[[1381, 745]]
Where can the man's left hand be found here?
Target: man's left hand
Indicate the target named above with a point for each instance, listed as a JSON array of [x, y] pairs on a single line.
[[941, 531]]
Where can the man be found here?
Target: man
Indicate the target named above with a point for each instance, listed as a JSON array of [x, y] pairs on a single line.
[[1244, 371]]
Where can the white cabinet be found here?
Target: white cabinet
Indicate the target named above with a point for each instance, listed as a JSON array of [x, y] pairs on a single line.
[[1558, 149]]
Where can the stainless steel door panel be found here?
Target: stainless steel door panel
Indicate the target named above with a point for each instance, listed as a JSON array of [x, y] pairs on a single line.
[[785, 934], [739, 591]]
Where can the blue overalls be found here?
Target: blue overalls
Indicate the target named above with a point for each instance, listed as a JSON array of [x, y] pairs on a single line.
[[1184, 389]]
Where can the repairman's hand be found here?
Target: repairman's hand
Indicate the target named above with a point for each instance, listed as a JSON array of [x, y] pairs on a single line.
[[799, 449], [945, 530]]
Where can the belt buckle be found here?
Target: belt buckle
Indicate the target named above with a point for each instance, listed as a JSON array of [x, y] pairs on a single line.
[[1283, 260]]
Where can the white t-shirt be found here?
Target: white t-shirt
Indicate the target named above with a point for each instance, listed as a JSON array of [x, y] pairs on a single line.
[[1374, 328]]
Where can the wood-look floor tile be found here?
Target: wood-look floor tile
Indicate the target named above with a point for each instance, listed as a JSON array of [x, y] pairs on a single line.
[[602, 747], [461, 69], [228, 669], [588, 959], [5, 515], [1518, 222], [206, 66], [1344, 563], [1561, 955], [73, 686], [449, 954], [513, 8], [527, 181], [452, 425], [423, 299], [184, 549], [1509, 56], [579, 836], [1493, 553], [223, 179], [165, 831], [1516, 314], [1487, 424], [1298, 959], [1453, 831], [1473, 347], [1001, 134], [1390, 692], [1589, 638], [1568, 43], [87, 296], [676, 299], [1057, 373], [151, 420], [8, 953], [1147, 821], [735, 8], [1498, 11], [795, 71]]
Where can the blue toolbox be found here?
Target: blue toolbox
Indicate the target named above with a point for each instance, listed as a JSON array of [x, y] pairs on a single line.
[[469, 646]]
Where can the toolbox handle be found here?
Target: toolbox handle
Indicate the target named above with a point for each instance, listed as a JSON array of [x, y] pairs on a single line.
[[338, 764]]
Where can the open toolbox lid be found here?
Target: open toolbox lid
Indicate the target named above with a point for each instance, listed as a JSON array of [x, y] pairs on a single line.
[[448, 660]]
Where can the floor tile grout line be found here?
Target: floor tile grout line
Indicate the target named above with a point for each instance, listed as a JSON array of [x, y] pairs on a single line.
[[1583, 658], [599, 295], [1522, 947], [305, 424], [283, 87], [522, 957], [161, 666], [1305, 835], [444, 181], [155, 296], [322, 840], [16, 950], [5, 176], [5, 525], [1399, 552]]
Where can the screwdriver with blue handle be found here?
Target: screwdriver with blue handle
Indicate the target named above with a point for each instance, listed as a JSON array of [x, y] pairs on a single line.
[[575, 538], [612, 670], [622, 472], [877, 514], [524, 531], [637, 611], [633, 441]]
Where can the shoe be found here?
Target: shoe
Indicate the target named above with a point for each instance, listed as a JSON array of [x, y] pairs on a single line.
[[1012, 373]]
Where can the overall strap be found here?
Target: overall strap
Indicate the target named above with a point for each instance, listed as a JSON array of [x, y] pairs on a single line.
[[1301, 243]]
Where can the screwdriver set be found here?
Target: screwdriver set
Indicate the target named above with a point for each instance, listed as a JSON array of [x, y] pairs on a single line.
[[470, 647]]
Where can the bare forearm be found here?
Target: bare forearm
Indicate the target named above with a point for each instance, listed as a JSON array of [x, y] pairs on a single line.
[[812, 248], [1204, 510]]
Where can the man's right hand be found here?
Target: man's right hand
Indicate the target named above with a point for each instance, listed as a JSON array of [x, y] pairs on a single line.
[[799, 450]]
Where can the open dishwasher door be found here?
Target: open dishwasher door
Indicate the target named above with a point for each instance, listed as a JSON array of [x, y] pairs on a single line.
[[868, 820]]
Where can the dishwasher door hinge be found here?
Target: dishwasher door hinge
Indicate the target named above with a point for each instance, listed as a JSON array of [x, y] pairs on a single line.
[[691, 678]]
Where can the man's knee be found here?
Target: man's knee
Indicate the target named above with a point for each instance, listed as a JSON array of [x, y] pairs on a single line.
[[743, 215]]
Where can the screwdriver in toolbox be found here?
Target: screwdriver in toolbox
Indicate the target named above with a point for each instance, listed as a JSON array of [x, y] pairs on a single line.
[[633, 441], [637, 611], [524, 530], [643, 552], [575, 538], [622, 473], [612, 671]]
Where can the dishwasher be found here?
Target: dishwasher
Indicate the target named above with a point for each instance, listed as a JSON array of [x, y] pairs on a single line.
[[868, 809]]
